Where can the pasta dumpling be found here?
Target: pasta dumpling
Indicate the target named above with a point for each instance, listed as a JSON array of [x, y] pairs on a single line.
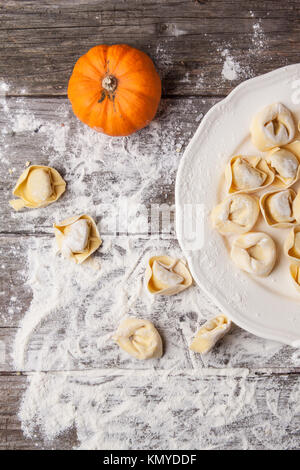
[[77, 237], [295, 275], [286, 166], [37, 187], [280, 208], [247, 174], [211, 332], [236, 214], [254, 253], [167, 276], [139, 338], [271, 127], [291, 246]]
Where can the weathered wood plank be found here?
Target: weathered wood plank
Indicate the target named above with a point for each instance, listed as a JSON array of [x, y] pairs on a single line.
[[260, 411], [177, 318], [189, 42], [45, 131], [41, 43], [12, 388], [32, 131], [238, 349]]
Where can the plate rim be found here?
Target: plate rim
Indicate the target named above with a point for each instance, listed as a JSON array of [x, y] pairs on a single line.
[[262, 332]]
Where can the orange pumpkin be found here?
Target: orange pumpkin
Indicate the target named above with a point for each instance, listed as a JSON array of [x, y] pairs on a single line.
[[115, 89]]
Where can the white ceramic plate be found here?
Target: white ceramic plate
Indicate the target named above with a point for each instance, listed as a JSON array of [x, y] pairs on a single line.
[[266, 307]]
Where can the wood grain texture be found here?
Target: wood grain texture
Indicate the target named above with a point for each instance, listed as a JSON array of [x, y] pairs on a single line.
[[41, 42], [188, 41], [266, 421], [12, 387], [43, 119], [238, 349]]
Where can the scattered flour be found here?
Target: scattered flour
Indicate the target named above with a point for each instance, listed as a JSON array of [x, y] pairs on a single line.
[[199, 117], [174, 409], [93, 388], [258, 38], [4, 87], [231, 69], [196, 82], [68, 146], [163, 59]]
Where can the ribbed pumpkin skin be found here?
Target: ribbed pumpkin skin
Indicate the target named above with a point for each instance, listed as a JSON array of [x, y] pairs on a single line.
[[134, 102]]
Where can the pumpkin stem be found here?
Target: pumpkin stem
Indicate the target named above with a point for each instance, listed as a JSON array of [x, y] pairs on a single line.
[[109, 83]]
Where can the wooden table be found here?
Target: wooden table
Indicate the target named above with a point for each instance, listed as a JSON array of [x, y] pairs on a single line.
[[189, 42]]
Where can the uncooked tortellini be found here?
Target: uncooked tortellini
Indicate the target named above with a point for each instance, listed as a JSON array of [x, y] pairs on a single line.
[[247, 174], [77, 237], [255, 253], [139, 338], [210, 333], [291, 246], [295, 275], [280, 208], [38, 186], [286, 166], [236, 214], [271, 127], [167, 276]]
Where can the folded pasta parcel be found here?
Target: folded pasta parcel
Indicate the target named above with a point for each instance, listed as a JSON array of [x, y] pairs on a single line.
[[247, 174], [139, 338], [167, 276], [281, 209], [210, 333], [237, 213], [291, 245], [77, 237], [295, 275], [271, 127], [285, 162], [38, 186], [254, 252]]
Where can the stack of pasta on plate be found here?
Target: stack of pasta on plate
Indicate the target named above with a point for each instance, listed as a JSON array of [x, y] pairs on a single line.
[[276, 170]]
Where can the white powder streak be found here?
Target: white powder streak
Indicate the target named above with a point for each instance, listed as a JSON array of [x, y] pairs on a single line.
[[4, 87], [123, 403], [231, 69], [161, 409]]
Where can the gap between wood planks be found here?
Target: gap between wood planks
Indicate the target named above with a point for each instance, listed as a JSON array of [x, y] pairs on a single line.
[[207, 372], [165, 97]]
